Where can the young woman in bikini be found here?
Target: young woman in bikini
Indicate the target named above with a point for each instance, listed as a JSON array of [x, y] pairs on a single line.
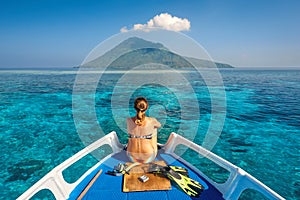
[[142, 132]]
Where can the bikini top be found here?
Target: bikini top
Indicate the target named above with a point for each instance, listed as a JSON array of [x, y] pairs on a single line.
[[135, 131], [141, 136]]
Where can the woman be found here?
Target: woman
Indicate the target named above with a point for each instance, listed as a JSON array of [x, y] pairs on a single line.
[[142, 132]]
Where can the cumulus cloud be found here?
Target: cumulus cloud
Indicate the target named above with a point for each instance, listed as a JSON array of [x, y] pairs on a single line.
[[162, 21]]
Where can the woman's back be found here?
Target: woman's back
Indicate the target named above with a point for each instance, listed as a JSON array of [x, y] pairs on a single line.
[[142, 132]]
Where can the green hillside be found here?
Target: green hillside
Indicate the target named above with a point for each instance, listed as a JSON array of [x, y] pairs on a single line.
[[136, 51]]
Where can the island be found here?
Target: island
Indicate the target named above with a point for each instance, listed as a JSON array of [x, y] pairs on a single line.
[[136, 51]]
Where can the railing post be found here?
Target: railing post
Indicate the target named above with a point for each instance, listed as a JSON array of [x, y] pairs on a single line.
[[170, 146]]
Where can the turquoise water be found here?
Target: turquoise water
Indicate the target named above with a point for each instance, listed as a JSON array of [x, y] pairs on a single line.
[[261, 132]]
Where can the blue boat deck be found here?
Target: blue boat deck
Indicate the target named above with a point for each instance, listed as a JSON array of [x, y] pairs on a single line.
[[110, 187]]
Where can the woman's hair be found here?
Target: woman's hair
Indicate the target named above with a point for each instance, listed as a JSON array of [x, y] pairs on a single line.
[[140, 105]]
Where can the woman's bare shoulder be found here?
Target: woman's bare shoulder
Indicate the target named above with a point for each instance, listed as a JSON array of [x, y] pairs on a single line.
[[130, 119], [154, 121]]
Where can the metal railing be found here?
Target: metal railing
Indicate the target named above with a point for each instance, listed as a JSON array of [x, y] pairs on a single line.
[[238, 180], [54, 180]]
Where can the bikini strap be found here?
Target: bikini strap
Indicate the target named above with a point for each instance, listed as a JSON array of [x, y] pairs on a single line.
[[141, 136]]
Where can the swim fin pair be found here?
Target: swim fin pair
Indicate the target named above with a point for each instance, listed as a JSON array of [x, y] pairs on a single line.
[[179, 175]]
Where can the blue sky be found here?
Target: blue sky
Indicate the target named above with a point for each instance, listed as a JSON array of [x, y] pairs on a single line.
[[60, 33]]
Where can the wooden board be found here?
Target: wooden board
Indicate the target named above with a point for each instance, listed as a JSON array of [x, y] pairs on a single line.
[[131, 183]]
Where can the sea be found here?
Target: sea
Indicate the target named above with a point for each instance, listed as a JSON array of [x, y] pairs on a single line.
[[258, 119]]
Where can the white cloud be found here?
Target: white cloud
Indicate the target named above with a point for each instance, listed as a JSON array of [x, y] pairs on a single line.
[[124, 29], [163, 21]]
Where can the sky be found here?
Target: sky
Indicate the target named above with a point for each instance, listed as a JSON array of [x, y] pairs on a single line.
[[61, 33]]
